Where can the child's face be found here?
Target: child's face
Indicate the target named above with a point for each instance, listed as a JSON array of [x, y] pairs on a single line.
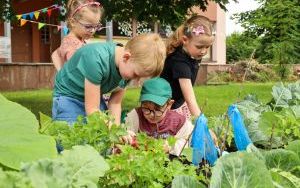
[[153, 112], [197, 46], [131, 71], [87, 25]]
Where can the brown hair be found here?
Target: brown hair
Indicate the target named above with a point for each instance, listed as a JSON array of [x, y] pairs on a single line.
[[185, 29], [149, 51], [72, 5]]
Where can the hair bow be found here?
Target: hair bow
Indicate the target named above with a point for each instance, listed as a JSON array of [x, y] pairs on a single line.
[[198, 30]]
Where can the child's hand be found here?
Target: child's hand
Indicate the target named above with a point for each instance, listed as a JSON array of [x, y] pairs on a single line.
[[129, 138], [167, 147]]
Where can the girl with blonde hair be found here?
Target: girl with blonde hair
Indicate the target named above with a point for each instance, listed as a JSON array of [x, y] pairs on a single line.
[[185, 49]]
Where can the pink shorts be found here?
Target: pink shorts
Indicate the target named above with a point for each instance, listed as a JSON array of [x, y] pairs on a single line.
[[184, 110]]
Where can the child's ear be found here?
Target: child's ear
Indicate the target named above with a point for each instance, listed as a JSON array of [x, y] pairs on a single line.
[[126, 56], [170, 103], [184, 39]]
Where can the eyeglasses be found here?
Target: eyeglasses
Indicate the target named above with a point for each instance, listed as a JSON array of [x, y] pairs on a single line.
[[157, 113], [90, 27]]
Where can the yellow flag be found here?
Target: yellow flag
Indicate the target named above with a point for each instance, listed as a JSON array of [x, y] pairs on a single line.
[[41, 25], [23, 22], [19, 16], [36, 15]]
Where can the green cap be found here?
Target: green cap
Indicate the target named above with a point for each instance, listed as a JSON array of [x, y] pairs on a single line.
[[156, 90]]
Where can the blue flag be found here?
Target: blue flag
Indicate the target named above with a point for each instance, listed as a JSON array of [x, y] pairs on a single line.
[[241, 137], [202, 143]]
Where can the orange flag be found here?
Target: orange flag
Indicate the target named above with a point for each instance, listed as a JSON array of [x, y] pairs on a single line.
[[23, 22]]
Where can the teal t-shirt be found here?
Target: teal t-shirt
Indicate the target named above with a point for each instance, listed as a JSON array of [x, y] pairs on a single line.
[[95, 62]]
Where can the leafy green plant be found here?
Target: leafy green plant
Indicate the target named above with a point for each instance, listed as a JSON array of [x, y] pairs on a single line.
[[240, 169], [147, 166], [79, 167], [221, 127], [183, 181], [284, 179], [97, 130], [20, 140], [276, 123]]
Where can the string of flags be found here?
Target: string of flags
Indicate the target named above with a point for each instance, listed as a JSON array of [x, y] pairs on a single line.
[[40, 25], [35, 14]]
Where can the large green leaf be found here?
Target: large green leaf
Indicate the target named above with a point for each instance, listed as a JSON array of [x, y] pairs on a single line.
[[281, 95], [79, 167], [86, 165], [295, 89], [240, 170], [284, 179], [267, 124], [186, 182], [252, 113], [296, 110], [19, 137], [281, 159], [294, 146]]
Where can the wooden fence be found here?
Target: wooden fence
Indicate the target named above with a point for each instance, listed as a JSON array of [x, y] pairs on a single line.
[[26, 76]]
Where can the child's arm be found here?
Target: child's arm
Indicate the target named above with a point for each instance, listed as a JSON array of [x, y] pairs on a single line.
[[189, 96], [92, 97], [114, 104], [182, 137], [132, 121], [57, 61]]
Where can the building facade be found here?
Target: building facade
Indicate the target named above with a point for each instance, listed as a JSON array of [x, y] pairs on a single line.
[[29, 44]]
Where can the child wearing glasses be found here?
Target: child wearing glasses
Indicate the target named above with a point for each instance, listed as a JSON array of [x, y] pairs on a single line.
[[155, 118], [83, 18], [100, 68]]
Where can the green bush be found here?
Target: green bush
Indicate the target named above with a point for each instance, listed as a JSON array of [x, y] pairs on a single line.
[[239, 46]]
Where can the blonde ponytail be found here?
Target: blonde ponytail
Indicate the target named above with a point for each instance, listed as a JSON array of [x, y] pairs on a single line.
[[186, 28], [175, 39]]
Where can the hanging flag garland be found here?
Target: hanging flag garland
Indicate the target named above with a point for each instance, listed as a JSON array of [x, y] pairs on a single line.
[[40, 25], [35, 14]]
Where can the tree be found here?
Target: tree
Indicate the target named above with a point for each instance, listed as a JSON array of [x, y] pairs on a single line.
[[240, 46], [170, 12], [277, 23], [6, 12]]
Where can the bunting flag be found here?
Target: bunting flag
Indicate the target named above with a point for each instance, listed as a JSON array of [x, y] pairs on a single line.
[[23, 22], [40, 25], [66, 30], [59, 28], [35, 14], [49, 11]]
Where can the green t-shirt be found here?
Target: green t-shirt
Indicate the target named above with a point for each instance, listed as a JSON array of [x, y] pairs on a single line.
[[95, 62]]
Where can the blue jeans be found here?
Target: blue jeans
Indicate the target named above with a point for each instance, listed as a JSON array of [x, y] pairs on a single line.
[[68, 109]]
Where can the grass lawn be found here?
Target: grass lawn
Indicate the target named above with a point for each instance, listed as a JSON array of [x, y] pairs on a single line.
[[213, 99]]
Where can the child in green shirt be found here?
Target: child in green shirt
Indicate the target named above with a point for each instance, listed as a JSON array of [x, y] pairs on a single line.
[[100, 68]]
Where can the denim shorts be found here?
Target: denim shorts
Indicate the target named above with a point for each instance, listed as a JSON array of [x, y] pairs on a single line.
[[68, 109]]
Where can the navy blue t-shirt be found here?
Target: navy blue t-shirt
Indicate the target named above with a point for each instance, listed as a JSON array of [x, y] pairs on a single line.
[[179, 65]]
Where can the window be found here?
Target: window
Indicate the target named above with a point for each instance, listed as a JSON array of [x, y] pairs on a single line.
[[45, 32]]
